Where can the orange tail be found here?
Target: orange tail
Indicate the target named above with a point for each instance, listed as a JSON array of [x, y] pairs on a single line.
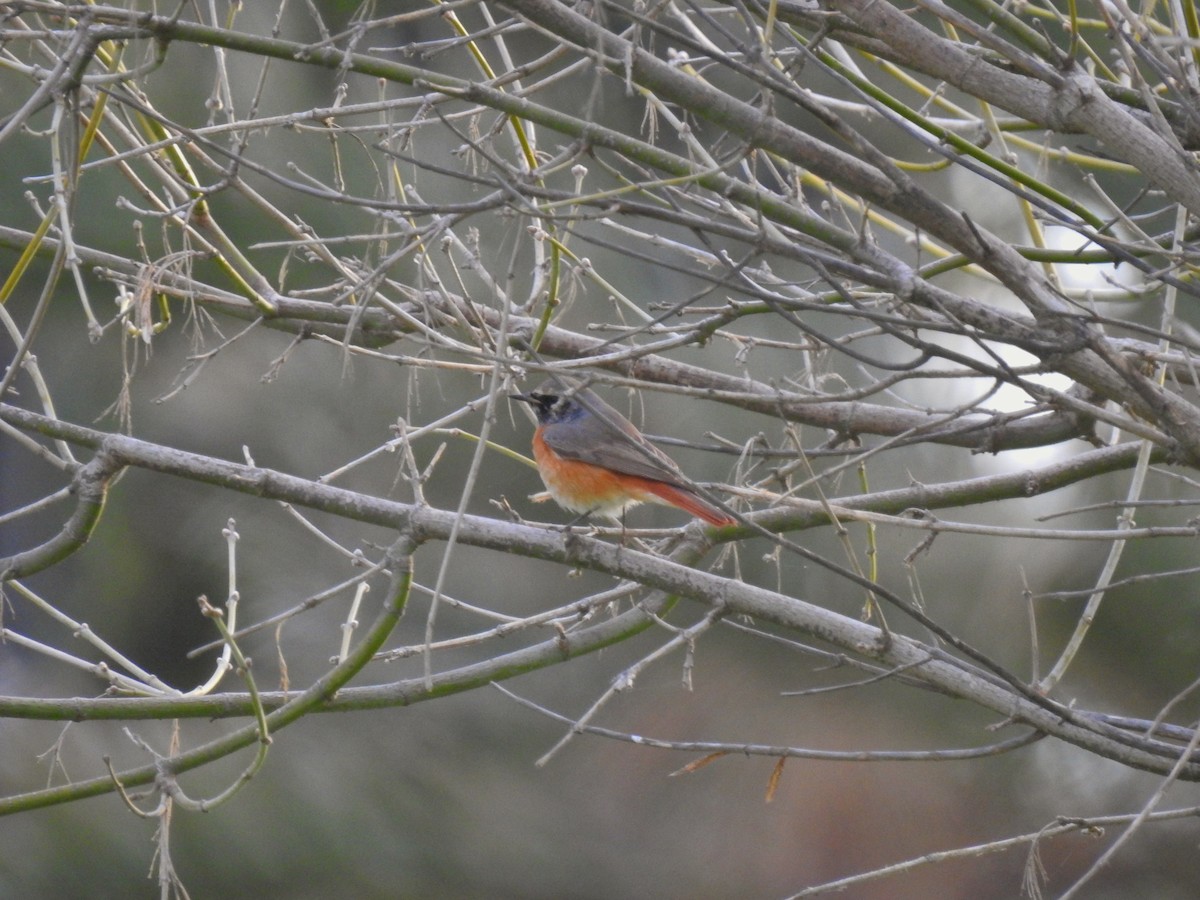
[[689, 502]]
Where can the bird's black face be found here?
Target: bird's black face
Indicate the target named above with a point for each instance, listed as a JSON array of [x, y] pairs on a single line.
[[550, 408]]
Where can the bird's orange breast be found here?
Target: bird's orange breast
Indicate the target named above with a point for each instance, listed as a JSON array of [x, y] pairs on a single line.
[[582, 487]]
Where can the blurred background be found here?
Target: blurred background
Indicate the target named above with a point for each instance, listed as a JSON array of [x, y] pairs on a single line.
[[445, 798]]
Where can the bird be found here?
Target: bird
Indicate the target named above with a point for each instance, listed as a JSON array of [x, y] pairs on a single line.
[[594, 460]]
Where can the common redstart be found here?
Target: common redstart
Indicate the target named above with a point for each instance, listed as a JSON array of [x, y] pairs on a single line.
[[593, 460]]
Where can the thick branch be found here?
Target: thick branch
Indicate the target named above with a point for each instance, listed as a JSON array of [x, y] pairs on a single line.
[[930, 665]]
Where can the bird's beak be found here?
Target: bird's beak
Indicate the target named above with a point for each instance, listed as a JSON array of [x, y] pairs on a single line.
[[524, 398]]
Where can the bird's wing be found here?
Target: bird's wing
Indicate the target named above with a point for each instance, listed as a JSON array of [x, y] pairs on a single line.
[[604, 445]]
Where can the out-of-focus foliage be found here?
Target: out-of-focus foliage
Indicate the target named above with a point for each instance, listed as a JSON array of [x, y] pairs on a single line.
[[907, 289]]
